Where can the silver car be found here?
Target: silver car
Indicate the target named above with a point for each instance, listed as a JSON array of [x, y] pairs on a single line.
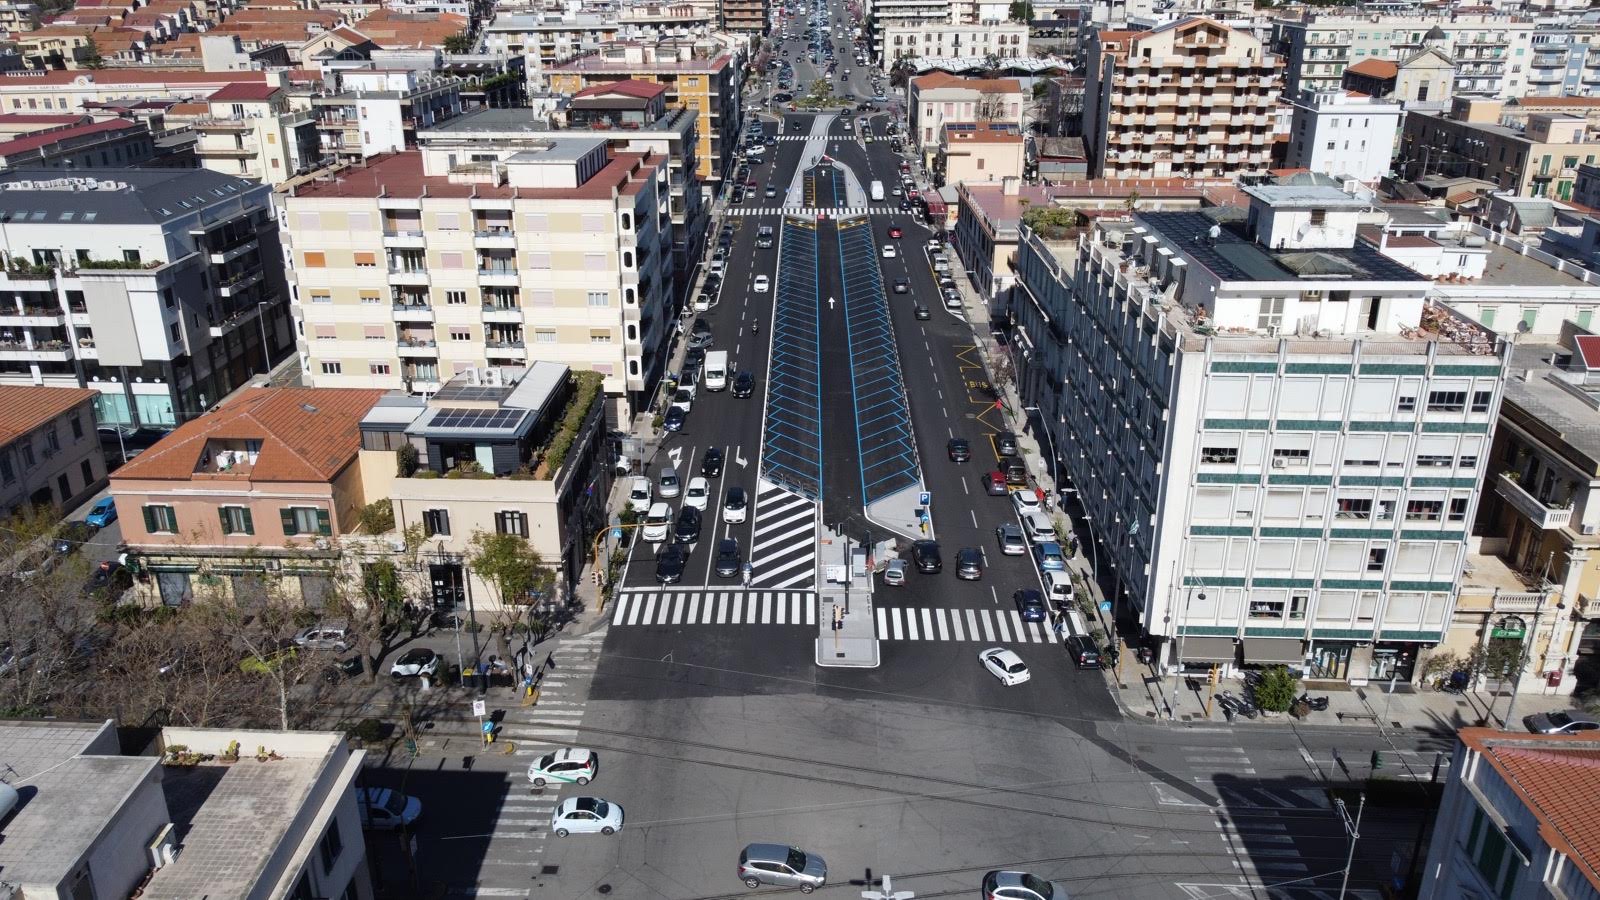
[[783, 866], [1560, 722]]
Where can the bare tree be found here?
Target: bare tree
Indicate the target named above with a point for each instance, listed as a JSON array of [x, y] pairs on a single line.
[[389, 611], [515, 575], [260, 622], [991, 106]]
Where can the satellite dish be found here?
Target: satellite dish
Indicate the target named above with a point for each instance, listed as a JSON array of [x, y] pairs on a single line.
[[1523, 327]]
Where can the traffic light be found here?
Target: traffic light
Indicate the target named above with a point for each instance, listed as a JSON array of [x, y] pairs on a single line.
[[1214, 676], [1377, 760]]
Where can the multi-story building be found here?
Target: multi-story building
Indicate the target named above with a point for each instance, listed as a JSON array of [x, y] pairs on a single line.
[[380, 111], [49, 453], [1489, 50], [267, 482], [1276, 440], [560, 252], [1421, 82], [163, 289], [83, 91], [1002, 40], [546, 38], [1539, 160], [498, 450], [881, 14], [109, 143], [749, 16], [1516, 820], [1342, 134], [978, 152], [709, 85], [939, 98], [1558, 63], [1190, 99], [253, 131]]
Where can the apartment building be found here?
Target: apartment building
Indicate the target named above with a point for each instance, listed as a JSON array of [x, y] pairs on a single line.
[[109, 143], [708, 84], [1538, 160], [939, 98], [1562, 62], [103, 822], [1191, 99], [84, 91], [162, 289], [1490, 51], [549, 38], [49, 453], [422, 265], [254, 131], [1277, 442], [747, 16], [882, 14], [1002, 40], [979, 152], [375, 111], [509, 450], [1345, 135], [261, 487], [1517, 818]]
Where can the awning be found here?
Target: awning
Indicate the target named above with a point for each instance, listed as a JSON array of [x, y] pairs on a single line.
[[1263, 650], [1208, 649]]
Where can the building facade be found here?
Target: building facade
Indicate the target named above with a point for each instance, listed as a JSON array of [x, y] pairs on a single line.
[[1339, 134], [425, 264], [1276, 442], [381, 111], [1538, 160], [1490, 50], [1002, 40], [1189, 99], [252, 131], [940, 98], [49, 453]]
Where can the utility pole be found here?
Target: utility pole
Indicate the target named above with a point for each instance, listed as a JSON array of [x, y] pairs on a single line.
[[1354, 830]]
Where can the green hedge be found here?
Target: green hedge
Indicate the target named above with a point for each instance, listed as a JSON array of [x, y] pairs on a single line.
[[584, 396]]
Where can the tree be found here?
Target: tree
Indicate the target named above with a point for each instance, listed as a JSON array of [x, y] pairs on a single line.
[[515, 576], [1021, 11], [991, 106], [91, 58], [392, 591], [261, 622], [1500, 659], [1276, 689], [460, 42], [1052, 223], [47, 630]]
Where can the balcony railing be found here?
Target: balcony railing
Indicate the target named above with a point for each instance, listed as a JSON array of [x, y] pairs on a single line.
[[1537, 511]]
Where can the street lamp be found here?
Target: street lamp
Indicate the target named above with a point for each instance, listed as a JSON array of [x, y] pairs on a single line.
[[261, 317], [1177, 669]]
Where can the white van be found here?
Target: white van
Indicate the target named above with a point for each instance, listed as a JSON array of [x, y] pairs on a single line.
[[1036, 525], [657, 521], [1058, 590], [716, 370]]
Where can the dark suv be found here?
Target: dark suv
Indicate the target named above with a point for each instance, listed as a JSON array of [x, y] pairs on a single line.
[[926, 556], [687, 530]]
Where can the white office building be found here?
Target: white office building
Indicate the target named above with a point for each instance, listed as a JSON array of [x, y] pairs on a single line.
[[1276, 441], [1343, 134]]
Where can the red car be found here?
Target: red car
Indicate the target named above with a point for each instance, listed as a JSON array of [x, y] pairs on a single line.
[[912, 195], [894, 232], [994, 484]]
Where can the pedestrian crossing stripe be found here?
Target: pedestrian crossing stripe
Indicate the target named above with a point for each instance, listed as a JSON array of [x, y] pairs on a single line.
[[987, 626], [813, 212], [783, 539], [709, 606]]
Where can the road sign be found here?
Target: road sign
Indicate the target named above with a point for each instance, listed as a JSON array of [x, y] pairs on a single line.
[[925, 498], [480, 708], [1105, 606], [616, 534]]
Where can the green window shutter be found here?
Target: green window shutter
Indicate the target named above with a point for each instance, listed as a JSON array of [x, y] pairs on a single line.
[[323, 524], [249, 523], [222, 513], [149, 519], [288, 521]]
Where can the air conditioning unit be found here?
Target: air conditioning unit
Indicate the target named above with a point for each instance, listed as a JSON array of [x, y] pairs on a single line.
[[492, 377], [1591, 529], [163, 848], [1280, 463], [272, 565], [321, 543]]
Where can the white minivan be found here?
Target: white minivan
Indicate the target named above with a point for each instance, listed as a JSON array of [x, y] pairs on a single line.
[[716, 370]]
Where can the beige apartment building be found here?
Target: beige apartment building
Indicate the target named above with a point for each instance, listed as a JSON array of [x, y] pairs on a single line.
[[251, 131], [422, 265], [938, 98], [73, 90], [979, 152], [1190, 99], [1539, 159]]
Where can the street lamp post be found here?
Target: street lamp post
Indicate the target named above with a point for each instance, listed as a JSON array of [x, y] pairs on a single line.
[[1177, 668]]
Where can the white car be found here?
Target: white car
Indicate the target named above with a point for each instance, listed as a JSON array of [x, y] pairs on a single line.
[[888, 251], [762, 284], [670, 485], [735, 506], [586, 815], [640, 493], [1004, 665], [657, 522], [683, 399], [566, 766], [698, 494], [415, 662], [1025, 502], [385, 809], [894, 572]]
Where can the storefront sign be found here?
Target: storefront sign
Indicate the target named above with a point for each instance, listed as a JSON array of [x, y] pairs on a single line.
[[1509, 627]]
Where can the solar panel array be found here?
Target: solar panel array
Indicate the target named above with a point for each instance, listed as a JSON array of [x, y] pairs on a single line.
[[453, 419]]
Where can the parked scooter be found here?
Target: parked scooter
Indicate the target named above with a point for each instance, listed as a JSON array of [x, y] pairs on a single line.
[[1315, 704], [1240, 705]]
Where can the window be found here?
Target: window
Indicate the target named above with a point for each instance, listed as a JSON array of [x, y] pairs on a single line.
[[315, 260], [1226, 455], [325, 332], [544, 336], [1458, 508], [599, 298], [1468, 462], [509, 521], [1407, 404], [321, 297], [1424, 510], [1447, 401], [455, 298], [175, 331], [332, 368], [1489, 850], [160, 520], [87, 471], [374, 332], [436, 522], [1354, 508], [1298, 604], [366, 259], [52, 441], [1480, 401], [460, 334], [77, 428], [538, 260], [378, 368], [1291, 456], [1266, 609], [1434, 461], [305, 520], [1376, 558], [599, 336], [236, 520], [331, 846], [7, 473], [371, 298]]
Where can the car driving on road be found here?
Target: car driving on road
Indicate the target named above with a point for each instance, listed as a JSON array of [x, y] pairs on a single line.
[[586, 815], [1007, 666], [568, 765]]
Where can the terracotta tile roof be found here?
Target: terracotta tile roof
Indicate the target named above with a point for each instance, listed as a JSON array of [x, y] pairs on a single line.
[[1558, 778], [306, 434], [401, 175], [630, 87], [46, 138], [1581, 102], [1374, 68], [982, 85], [325, 18], [40, 119], [390, 29], [26, 407], [245, 91]]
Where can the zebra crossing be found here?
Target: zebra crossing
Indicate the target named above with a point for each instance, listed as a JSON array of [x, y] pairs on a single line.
[[812, 211], [709, 606], [986, 626], [783, 539]]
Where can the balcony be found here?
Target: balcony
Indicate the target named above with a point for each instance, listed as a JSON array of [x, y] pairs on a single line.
[[233, 321], [498, 275], [413, 312], [44, 351], [238, 284], [412, 347], [498, 312], [414, 275], [495, 237], [49, 316], [223, 257], [403, 238], [1535, 510]]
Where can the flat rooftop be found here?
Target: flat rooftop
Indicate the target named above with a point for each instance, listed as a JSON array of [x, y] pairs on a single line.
[[1512, 269], [1233, 256], [491, 121], [62, 812], [1568, 408]]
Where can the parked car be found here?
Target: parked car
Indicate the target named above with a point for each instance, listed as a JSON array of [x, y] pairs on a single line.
[[894, 572], [333, 636], [586, 815], [386, 809], [926, 556], [674, 420], [969, 564], [728, 559], [71, 536], [640, 492], [1048, 555], [994, 484], [1560, 721], [1026, 502], [565, 766], [103, 513], [1005, 443], [1010, 539], [415, 662], [670, 563], [776, 864], [683, 399], [110, 580], [1007, 666], [1030, 605]]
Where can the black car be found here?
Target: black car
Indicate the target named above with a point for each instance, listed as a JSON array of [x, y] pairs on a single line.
[[1016, 473], [1005, 443], [728, 561], [700, 326], [926, 556], [922, 312], [72, 536], [744, 384], [674, 419], [694, 358], [711, 464], [969, 564], [687, 531], [958, 450], [1030, 605], [670, 563]]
